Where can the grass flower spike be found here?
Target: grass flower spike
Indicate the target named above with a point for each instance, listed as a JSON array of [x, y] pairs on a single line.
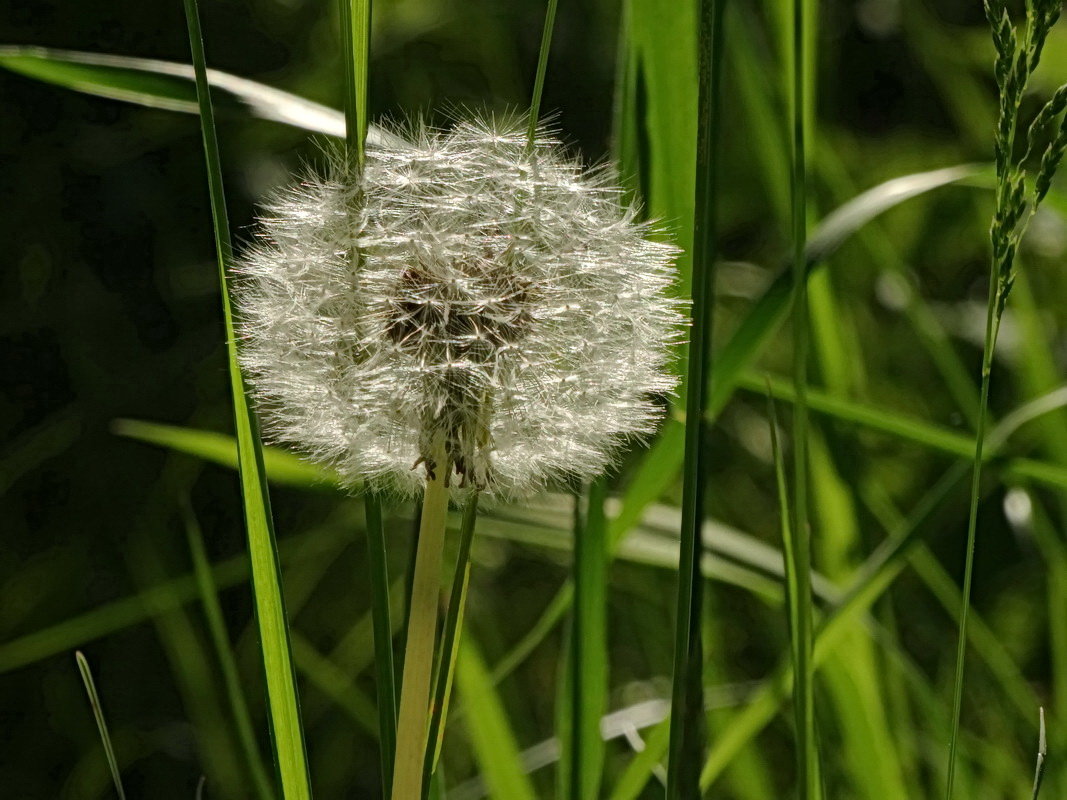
[[506, 313]]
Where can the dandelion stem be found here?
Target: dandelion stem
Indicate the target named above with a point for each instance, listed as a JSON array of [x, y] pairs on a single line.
[[421, 632]]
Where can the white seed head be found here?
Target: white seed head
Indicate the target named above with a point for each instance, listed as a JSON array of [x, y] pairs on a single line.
[[462, 296]]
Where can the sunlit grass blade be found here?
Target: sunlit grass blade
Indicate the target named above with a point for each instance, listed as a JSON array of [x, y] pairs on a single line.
[[171, 86], [101, 723], [450, 635], [492, 739], [283, 468], [209, 599], [687, 697], [284, 707], [1042, 751]]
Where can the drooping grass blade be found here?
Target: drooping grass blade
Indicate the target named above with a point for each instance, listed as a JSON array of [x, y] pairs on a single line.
[[283, 704], [101, 723]]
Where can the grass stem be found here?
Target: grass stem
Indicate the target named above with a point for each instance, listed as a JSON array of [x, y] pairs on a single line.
[[801, 612], [542, 69]]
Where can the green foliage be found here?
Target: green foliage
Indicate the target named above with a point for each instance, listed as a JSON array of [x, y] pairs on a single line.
[[108, 237]]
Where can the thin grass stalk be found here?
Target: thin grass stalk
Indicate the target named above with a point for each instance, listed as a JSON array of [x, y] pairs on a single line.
[[801, 616], [384, 668], [542, 70], [972, 530], [282, 699], [413, 722], [687, 734], [355, 38], [101, 723], [588, 661], [449, 650], [209, 599]]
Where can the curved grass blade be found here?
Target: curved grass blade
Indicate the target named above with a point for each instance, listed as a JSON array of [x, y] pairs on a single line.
[[101, 723], [288, 735], [171, 86]]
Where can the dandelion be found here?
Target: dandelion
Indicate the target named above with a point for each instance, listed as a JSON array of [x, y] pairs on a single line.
[[467, 310], [505, 314]]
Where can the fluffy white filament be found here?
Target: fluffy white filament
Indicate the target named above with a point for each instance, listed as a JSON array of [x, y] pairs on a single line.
[[462, 296]]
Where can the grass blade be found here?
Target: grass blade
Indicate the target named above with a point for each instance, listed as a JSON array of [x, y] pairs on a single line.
[[542, 69], [492, 740], [800, 531], [282, 467], [1042, 751], [586, 681], [101, 723], [288, 735], [171, 86], [450, 636], [687, 701], [384, 667], [209, 599]]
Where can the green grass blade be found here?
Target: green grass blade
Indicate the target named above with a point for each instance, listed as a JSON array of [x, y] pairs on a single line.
[[869, 582], [552, 615], [1042, 751], [801, 615], [492, 739], [101, 723], [637, 773], [587, 665], [171, 86], [542, 70], [209, 599], [136, 608], [283, 468], [687, 697], [450, 636], [384, 666], [284, 706]]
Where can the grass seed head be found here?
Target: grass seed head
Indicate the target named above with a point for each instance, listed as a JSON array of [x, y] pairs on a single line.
[[465, 296]]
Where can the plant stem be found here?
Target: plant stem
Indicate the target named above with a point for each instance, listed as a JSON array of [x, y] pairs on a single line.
[[421, 633], [972, 525], [803, 692]]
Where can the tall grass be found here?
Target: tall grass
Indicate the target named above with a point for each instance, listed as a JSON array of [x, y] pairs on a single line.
[[286, 730], [881, 465]]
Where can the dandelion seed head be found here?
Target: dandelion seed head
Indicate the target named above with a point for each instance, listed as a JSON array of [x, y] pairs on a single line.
[[462, 296]]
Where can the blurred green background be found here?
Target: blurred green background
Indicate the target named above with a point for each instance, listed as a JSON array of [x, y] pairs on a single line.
[[110, 310]]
